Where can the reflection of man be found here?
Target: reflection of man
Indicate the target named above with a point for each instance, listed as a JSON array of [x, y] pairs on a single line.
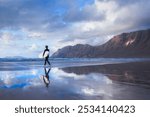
[[46, 76], [46, 55]]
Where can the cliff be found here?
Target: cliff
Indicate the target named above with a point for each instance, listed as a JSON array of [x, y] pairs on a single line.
[[133, 44]]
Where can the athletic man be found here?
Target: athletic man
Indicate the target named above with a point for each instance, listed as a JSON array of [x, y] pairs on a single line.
[[46, 55]]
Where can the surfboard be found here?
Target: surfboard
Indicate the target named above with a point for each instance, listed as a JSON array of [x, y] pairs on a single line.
[[46, 54]]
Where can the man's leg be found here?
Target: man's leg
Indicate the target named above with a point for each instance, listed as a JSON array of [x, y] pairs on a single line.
[[45, 62], [48, 62]]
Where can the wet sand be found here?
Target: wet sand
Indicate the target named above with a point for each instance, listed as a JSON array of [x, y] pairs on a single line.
[[133, 72], [121, 81]]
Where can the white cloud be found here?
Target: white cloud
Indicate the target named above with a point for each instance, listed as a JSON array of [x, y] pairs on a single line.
[[118, 19], [5, 38], [37, 25], [33, 47]]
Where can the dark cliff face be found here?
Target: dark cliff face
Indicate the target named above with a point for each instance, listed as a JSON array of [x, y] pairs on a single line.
[[134, 44], [76, 51]]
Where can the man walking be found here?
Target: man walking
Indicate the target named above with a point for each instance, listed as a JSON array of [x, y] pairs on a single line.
[[46, 55]]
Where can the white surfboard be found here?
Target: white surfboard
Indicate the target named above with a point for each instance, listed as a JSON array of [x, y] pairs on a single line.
[[46, 80], [42, 77], [46, 54]]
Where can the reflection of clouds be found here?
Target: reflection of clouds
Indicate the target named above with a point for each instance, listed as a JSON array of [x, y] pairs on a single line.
[[96, 84], [100, 78], [34, 71], [93, 92], [7, 79], [35, 82], [108, 81], [61, 74], [92, 84], [11, 78], [88, 91]]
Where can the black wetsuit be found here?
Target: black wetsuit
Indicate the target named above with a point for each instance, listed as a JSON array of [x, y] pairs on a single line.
[[46, 58]]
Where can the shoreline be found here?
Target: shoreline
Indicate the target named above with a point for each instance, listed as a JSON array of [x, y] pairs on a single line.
[[25, 65]]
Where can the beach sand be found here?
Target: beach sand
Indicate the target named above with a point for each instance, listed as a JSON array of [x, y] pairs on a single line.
[[27, 80]]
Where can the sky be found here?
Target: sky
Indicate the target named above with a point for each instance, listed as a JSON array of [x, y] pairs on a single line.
[[26, 26]]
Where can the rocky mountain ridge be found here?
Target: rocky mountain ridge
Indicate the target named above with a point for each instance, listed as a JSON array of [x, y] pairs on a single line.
[[133, 44]]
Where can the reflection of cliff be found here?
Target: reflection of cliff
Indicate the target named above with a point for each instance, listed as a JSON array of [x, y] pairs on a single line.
[[127, 72]]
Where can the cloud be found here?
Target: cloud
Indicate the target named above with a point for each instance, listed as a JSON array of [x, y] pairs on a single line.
[[43, 16], [135, 14], [27, 14], [88, 13], [67, 22], [6, 37], [33, 47], [119, 17]]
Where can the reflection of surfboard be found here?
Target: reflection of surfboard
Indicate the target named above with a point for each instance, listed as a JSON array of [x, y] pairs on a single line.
[[46, 54], [45, 79]]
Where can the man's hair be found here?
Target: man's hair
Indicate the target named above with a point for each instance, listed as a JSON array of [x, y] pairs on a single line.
[[46, 46]]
